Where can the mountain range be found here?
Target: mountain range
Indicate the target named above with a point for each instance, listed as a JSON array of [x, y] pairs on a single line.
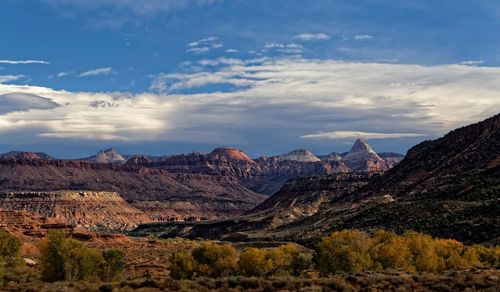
[[448, 187], [221, 184]]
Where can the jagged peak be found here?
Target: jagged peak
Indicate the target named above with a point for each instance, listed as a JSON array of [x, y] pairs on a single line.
[[361, 145], [109, 155]]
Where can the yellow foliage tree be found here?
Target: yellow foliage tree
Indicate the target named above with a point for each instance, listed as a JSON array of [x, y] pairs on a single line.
[[254, 262], [215, 260], [182, 265], [388, 250], [343, 251]]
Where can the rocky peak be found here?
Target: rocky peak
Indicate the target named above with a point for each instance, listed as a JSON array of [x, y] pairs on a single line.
[[230, 154], [363, 158], [108, 156], [300, 155], [361, 145]]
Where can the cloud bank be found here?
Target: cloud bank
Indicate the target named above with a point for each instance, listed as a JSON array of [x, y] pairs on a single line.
[[265, 102], [352, 134]]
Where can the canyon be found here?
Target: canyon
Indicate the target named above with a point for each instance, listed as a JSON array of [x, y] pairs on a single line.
[[115, 192]]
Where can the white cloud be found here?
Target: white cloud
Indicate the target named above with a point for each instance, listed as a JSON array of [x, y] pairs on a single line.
[[65, 73], [200, 50], [8, 78], [285, 48], [23, 62], [355, 134], [277, 100], [306, 37], [231, 51], [472, 63], [360, 37], [204, 45], [96, 72]]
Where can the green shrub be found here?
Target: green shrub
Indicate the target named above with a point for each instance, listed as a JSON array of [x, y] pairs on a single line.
[[80, 262], [51, 256], [63, 258], [9, 245], [113, 265], [9, 252]]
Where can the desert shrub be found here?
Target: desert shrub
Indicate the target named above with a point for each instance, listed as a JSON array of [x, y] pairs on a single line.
[[215, 260], [51, 256], [254, 262], [9, 245], [63, 258], [343, 251], [79, 261], [388, 250], [9, 252], [487, 256], [113, 264], [182, 265]]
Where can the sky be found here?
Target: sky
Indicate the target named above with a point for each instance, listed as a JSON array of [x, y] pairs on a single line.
[[164, 77]]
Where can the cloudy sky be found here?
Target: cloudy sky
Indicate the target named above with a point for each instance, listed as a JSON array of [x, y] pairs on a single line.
[[267, 76]]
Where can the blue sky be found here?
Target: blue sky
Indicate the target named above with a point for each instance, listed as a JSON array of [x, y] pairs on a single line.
[[163, 77]]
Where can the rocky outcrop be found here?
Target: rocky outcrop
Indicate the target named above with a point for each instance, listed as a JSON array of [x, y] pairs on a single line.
[[92, 210]]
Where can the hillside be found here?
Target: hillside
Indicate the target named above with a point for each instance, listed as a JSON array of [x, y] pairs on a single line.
[[449, 187], [160, 194], [94, 210]]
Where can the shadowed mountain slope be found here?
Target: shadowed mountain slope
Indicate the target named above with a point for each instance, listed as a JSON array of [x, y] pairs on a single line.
[[449, 187]]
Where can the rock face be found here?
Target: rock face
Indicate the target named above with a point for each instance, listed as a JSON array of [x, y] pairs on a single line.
[[93, 210], [300, 155], [160, 194], [448, 188]]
